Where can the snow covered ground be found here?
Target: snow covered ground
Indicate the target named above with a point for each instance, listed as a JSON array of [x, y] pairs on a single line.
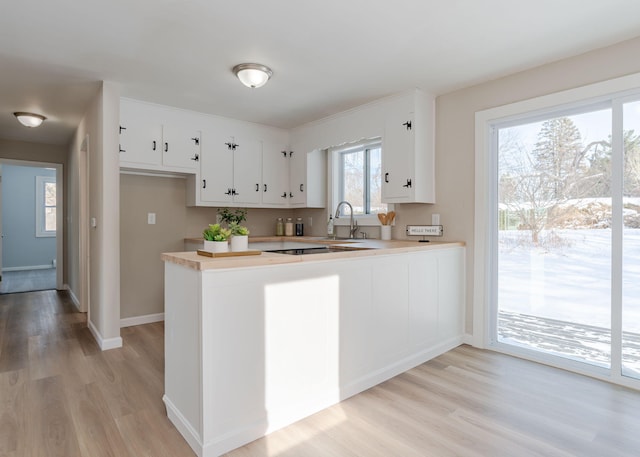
[[570, 278]]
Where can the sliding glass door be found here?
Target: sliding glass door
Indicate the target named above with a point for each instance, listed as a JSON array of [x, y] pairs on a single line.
[[631, 240], [566, 257]]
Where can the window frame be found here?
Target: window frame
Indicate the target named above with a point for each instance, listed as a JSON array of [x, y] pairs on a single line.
[[336, 178], [41, 206]]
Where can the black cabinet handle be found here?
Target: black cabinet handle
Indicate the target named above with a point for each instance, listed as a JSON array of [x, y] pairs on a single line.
[[290, 195], [153, 148], [407, 125], [408, 184], [233, 192], [122, 128], [284, 153], [301, 187], [166, 147], [284, 195], [120, 148], [228, 192], [265, 188], [386, 177], [204, 183], [257, 187], [195, 158], [196, 141]]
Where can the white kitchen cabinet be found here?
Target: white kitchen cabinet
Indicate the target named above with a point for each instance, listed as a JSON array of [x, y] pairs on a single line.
[[231, 170], [251, 349], [408, 149], [275, 175], [153, 138], [140, 136], [308, 179]]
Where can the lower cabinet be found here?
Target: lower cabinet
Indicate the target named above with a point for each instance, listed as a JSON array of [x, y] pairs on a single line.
[[250, 350]]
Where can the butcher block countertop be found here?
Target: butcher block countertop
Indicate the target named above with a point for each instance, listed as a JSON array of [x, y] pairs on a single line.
[[354, 248]]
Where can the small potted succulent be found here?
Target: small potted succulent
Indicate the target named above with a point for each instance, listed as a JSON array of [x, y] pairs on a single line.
[[216, 238], [239, 233]]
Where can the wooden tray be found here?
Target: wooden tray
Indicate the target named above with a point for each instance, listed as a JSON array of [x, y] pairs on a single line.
[[227, 254]]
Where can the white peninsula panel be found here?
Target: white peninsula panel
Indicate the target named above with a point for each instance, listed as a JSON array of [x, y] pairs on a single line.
[[252, 349]]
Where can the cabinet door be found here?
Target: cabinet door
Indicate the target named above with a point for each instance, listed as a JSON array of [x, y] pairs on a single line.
[[247, 171], [275, 174], [216, 169], [298, 178], [397, 150], [140, 136], [180, 147]]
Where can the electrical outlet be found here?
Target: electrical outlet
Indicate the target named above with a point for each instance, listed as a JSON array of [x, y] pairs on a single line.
[[151, 218], [425, 230]]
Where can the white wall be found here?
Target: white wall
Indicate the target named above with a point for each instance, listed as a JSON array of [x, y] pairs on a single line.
[[100, 127]]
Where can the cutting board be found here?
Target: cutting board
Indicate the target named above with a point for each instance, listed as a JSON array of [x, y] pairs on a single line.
[[227, 254]]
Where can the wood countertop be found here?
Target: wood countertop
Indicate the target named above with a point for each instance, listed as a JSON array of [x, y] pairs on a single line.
[[355, 248]]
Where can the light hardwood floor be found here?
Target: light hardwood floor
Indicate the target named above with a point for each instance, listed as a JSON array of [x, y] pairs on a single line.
[[61, 396]]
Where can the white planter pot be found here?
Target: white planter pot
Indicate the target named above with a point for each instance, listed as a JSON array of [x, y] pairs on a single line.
[[216, 246], [239, 243]]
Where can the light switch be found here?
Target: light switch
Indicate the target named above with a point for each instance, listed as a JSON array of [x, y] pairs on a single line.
[[93, 222], [435, 219], [151, 218]]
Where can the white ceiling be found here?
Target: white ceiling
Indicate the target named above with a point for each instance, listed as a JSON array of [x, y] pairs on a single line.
[[327, 56]]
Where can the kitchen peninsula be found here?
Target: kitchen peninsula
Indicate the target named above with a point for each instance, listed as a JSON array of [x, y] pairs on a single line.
[[254, 343]]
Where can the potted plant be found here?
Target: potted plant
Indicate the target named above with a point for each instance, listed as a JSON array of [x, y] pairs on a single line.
[[239, 233], [239, 237], [216, 238]]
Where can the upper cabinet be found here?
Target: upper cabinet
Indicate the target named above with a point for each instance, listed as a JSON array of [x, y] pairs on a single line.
[[231, 171], [406, 124], [408, 150], [154, 139], [308, 179], [276, 190]]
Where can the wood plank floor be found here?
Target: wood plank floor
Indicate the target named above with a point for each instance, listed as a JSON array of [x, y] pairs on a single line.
[[61, 396]]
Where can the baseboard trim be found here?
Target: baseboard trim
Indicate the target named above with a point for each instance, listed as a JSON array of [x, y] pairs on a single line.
[[32, 267], [141, 320], [467, 338], [74, 299], [105, 344]]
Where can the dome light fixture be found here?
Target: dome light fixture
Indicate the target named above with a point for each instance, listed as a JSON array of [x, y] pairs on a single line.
[[29, 119], [252, 75]]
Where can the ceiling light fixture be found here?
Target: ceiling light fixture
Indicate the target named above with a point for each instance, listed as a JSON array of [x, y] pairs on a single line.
[[29, 119], [252, 74]]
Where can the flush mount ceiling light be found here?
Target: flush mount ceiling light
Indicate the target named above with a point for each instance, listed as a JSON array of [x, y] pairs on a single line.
[[29, 119], [252, 74]]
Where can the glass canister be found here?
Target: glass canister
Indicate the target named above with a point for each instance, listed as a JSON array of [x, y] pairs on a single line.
[[299, 227], [288, 227], [279, 227]]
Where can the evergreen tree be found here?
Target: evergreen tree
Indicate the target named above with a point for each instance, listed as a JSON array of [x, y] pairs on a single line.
[[559, 158]]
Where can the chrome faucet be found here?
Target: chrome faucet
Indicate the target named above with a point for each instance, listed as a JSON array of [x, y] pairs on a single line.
[[353, 226]]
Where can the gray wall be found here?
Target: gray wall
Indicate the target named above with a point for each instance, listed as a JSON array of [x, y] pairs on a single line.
[[20, 246]]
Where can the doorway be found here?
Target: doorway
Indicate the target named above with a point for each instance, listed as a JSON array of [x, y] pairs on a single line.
[[567, 240], [31, 222]]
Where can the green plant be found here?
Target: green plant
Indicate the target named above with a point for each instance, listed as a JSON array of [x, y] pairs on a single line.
[[233, 218], [229, 216], [216, 233], [237, 229]]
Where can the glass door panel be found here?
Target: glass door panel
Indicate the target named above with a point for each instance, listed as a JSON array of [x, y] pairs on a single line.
[[631, 241], [554, 236]]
